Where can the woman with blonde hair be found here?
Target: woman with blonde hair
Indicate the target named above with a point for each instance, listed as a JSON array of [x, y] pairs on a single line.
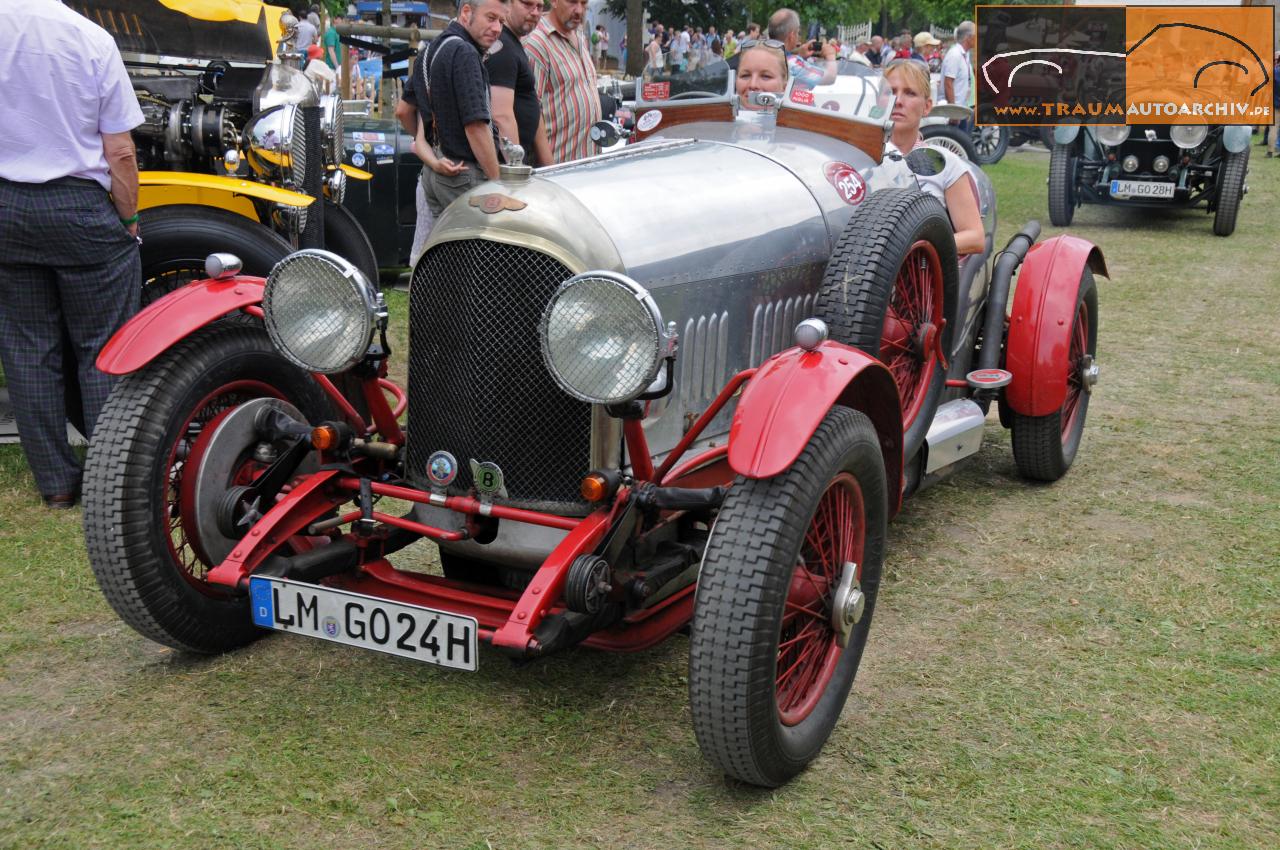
[[762, 67], [909, 81]]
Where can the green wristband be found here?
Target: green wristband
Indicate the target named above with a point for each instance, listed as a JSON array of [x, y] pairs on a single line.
[[133, 219]]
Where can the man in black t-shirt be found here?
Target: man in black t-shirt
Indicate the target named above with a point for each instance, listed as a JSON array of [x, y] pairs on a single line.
[[457, 93], [516, 110]]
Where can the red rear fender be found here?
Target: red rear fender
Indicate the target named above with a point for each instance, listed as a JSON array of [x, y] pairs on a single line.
[[789, 395], [148, 334], [1044, 307]]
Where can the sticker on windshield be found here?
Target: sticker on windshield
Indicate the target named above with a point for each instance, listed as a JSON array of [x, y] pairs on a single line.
[[649, 120], [655, 91], [847, 181], [802, 96], [357, 159]]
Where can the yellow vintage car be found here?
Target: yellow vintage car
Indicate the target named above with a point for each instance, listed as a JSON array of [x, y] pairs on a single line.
[[239, 150]]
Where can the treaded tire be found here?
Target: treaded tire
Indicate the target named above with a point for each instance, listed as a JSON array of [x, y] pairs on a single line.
[[997, 150], [746, 579], [177, 239], [1062, 188], [1044, 447], [954, 134], [858, 285], [128, 482], [1230, 192], [344, 236]]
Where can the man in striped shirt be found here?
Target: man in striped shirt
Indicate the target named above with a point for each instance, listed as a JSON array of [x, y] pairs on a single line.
[[566, 79]]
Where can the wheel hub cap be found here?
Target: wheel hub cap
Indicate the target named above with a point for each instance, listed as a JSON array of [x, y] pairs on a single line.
[[1089, 372], [848, 604]]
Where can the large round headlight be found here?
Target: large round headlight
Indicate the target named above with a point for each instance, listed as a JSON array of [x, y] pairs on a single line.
[[602, 337], [1112, 136], [320, 311], [1188, 135], [277, 145]]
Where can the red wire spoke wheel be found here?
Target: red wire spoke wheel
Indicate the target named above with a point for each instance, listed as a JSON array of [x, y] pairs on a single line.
[[784, 603], [1044, 447], [149, 440], [185, 456], [913, 321], [890, 289], [808, 646]]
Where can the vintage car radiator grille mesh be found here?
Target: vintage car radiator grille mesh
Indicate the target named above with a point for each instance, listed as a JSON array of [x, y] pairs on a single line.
[[477, 385]]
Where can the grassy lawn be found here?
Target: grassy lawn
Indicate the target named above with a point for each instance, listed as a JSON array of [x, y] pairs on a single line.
[[1090, 664]]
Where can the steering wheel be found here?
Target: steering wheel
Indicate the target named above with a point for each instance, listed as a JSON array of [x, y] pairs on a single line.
[[685, 95]]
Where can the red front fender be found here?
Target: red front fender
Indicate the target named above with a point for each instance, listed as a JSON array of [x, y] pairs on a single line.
[[789, 395], [148, 334], [1044, 307]]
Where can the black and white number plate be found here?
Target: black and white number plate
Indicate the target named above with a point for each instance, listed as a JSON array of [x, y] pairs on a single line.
[[1141, 189], [355, 619]]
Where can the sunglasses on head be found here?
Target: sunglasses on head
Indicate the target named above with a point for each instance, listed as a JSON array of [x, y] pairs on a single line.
[[772, 43]]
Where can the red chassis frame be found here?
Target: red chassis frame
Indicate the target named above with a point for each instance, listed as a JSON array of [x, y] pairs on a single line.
[[781, 406]]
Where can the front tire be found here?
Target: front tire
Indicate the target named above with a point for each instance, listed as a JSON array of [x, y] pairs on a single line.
[[1230, 192], [1062, 185], [890, 289], [344, 236], [1044, 447], [177, 239], [767, 676], [138, 520]]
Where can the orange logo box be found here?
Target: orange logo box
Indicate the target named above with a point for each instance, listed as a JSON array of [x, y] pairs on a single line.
[[1198, 65]]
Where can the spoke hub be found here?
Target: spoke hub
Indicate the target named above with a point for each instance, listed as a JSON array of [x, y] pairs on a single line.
[[1089, 372], [848, 604]]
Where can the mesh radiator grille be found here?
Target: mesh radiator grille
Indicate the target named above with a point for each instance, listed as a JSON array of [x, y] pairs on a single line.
[[477, 384]]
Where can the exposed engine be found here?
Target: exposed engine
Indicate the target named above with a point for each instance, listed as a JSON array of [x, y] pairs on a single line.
[[191, 120]]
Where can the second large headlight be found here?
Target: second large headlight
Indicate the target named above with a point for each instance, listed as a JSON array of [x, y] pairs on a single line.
[[1188, 136], [320, 311], [1112, 136], [602, 337]]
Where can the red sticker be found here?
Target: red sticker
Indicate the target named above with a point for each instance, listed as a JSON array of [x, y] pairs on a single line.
[[655, 91], [847, 181], [803, 96]]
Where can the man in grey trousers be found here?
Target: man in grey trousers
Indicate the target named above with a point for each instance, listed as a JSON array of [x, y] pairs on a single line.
[[69, 263]]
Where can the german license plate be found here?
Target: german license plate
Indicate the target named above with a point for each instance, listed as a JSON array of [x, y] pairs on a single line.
[[1141, 189], [355, 619]]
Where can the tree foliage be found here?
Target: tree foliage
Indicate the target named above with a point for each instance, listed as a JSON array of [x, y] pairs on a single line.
[[887, 16]]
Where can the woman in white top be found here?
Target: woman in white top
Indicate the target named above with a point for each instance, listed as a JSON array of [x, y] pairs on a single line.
[[909, 81], [654, 49]]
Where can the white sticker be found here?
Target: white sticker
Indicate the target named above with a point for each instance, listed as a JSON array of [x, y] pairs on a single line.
[[357, 159], [649, 120]]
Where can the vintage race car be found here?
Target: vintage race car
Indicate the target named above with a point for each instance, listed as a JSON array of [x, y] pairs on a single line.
[[1150, 166], [632, 407]]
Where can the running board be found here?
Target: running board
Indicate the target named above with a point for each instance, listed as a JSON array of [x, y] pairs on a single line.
[[954, 434]]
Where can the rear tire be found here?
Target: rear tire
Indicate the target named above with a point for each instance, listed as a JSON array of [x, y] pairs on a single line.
[[1062, 186], [990, 144], [953, 137], [137, 522], [1230, 192], [767, 681], [871, 301], [1044, 447], [177, 239]]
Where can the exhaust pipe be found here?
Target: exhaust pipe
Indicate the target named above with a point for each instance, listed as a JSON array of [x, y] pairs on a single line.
[[998, 298]]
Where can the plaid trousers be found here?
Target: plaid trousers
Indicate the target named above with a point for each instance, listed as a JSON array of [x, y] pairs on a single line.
[[70, 275]]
